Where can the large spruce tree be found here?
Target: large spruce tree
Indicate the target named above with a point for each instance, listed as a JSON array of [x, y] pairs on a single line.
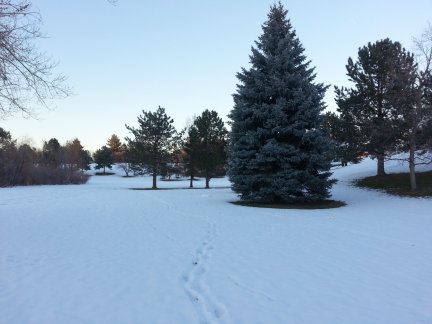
[[278, 152]]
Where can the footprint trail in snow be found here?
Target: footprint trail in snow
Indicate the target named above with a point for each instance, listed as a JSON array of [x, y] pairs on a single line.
[[208, 308]]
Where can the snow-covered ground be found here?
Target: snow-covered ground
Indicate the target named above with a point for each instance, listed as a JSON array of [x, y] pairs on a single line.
[[100, 253]]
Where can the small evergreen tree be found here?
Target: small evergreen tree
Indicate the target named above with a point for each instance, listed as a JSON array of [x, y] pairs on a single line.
[[86, 159], [210, 149], [103, 158], [52, 153], [191, 150], [153, 142], [278, 151], [345, 137]]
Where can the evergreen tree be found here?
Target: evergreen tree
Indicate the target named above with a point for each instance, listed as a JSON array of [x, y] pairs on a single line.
[[52, 153], [210, 148], [103, 158], [381, 74], [86, 159], [278, 151], [191, 150], [116, 147], [345, 137], [153, 142]]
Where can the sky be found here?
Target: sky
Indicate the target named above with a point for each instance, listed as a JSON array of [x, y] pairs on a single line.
[[184, 55]]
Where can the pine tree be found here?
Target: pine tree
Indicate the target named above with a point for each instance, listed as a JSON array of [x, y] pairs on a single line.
[[191, 150], [103, 158], [210, 149], [345, 137], [52, 153], [153, 142], [381, 74], [278, 151], [116, 147]]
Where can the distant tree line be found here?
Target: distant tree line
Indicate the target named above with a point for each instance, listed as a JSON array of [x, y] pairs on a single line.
[[21, 164]]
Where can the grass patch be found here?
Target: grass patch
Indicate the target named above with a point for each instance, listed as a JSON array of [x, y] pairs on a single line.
[[399, 184], [324, 204], [104, 174]]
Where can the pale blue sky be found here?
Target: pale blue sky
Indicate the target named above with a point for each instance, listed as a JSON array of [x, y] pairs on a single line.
[[183, 55]]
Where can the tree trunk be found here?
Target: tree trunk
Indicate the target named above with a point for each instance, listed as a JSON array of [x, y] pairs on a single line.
[[207, 183], [380, 168], [191, 181], [104, 169], [412, 149], [154, 180]]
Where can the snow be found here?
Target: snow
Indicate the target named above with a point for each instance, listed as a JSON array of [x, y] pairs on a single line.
[[101, 253]]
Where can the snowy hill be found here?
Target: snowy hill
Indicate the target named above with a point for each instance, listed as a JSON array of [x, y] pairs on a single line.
[[101, 253]]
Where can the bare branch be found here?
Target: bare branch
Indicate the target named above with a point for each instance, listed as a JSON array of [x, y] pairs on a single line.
[[423, 49], [27, 78]]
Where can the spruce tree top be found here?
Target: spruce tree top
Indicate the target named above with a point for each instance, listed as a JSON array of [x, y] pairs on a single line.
[[280, 72]]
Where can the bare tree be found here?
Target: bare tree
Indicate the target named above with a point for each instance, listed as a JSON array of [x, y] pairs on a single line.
[[27, 76], [125, 166], [421, 113], [423, 49], [416, 101]]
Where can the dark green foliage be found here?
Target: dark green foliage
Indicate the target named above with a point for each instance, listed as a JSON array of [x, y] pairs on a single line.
[[209, 150], [345, 137], [382, 75], [53, 154], [103, 158], [278, 151], [86, 159], [191, 153], [153, 142], [4, 136]]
